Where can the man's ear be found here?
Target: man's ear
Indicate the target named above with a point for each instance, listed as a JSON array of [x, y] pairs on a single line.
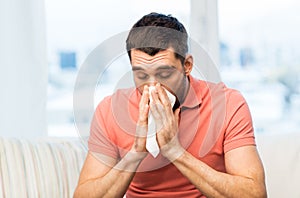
[[188, 64]]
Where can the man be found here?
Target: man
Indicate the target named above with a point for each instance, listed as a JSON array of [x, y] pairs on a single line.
[[206, 141]]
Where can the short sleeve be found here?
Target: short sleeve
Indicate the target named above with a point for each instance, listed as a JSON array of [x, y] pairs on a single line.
[[101, 140], [239, 130]]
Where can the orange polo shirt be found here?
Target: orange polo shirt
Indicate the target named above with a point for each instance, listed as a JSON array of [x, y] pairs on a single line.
[[213, 120]]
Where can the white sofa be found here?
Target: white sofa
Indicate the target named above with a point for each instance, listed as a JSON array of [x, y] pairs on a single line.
[[50, 167], [40, 168]]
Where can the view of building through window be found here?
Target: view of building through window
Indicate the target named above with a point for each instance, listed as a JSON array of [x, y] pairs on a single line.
[[259, 50]]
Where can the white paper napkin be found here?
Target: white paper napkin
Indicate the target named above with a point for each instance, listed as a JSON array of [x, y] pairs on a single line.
[[151, 143]]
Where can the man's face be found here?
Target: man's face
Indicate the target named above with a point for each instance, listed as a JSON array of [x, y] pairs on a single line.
[[163, 68]]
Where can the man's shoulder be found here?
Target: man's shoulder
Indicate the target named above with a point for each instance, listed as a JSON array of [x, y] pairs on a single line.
[[220, 87], [217, 90], [204, 85]]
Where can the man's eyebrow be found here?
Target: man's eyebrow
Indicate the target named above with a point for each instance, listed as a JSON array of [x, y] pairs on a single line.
[[162, 67], [135, 68], [166, 67]]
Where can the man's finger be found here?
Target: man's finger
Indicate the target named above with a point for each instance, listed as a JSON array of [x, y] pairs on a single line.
[[144, 107], [163, 97], [145, 96], [177, 115]]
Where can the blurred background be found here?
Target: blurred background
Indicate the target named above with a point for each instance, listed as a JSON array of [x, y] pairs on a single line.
[[255, 44]]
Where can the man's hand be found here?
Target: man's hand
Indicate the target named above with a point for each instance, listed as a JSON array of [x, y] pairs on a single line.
[[139, 145], [166, 124]]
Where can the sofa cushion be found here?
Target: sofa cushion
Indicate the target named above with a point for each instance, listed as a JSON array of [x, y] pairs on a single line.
[[40, 168]]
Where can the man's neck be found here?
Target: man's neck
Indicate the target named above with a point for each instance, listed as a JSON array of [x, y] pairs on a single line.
[[186, 89]]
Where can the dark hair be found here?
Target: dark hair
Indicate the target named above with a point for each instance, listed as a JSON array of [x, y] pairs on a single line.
[[156, 32]]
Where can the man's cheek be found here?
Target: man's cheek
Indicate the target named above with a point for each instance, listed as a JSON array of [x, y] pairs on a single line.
[[170, 85], [138, 83]]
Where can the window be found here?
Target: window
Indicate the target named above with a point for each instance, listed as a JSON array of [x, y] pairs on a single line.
[[260, 57]]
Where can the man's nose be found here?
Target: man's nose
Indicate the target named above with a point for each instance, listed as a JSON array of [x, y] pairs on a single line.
[[151, 81]]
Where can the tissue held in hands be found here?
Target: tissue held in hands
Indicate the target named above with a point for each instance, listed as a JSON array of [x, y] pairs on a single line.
[[151, 143]]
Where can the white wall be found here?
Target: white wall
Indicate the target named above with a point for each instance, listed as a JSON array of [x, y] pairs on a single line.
[[23, 69]]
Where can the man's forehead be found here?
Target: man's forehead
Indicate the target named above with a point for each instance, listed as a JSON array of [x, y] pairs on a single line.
[[164, 57]]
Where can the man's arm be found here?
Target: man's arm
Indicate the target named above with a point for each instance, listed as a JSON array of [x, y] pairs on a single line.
[[103, 176], [244, 177], [98, 179]]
